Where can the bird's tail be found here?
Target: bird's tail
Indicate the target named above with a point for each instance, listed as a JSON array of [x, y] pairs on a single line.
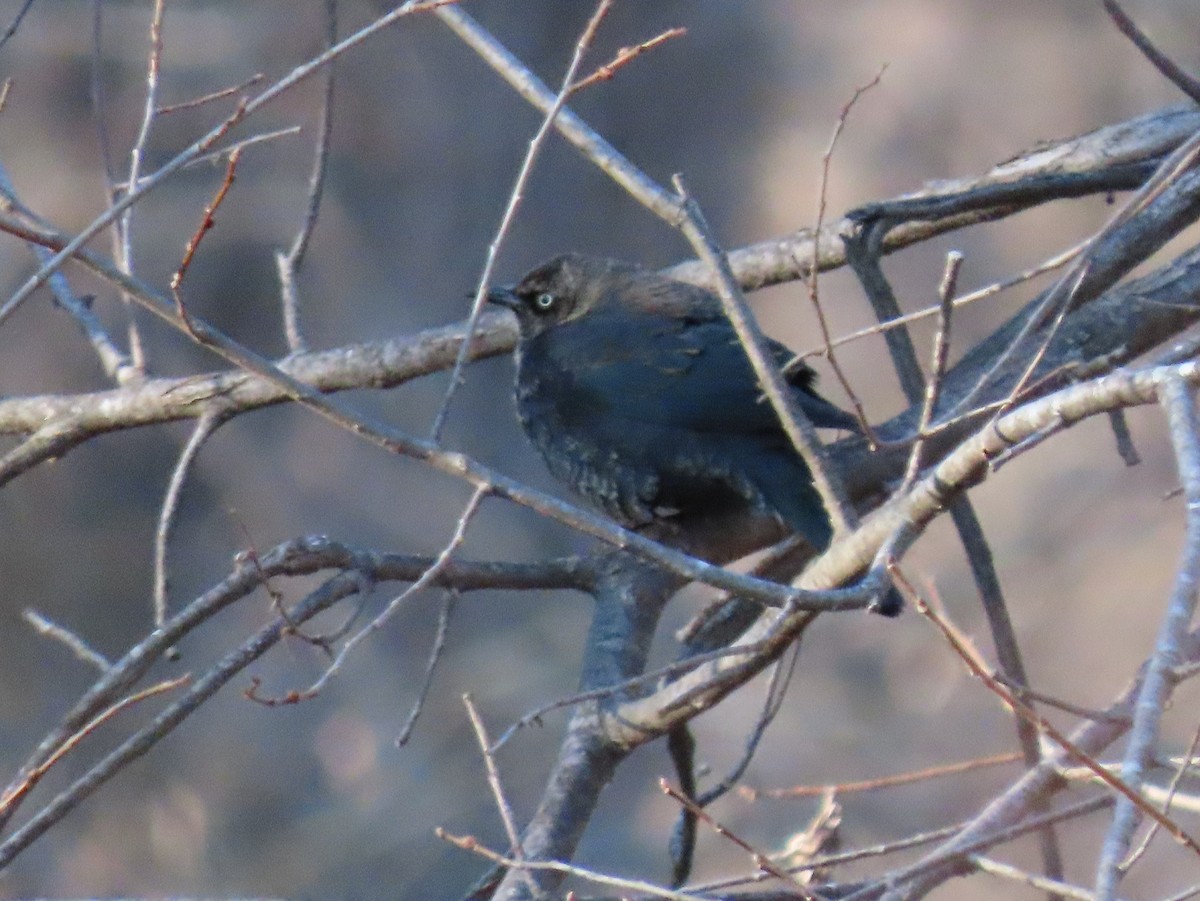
[[787, 489], [790, 493]]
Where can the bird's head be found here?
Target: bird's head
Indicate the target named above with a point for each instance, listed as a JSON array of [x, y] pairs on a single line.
[[565, 288]]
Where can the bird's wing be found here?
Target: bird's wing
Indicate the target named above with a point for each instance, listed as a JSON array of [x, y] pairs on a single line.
[[687, 373]]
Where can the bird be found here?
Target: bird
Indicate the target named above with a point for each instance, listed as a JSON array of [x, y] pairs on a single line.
[[638, 395]]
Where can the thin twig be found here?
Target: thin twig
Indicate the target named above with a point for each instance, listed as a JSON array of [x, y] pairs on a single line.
[[776, 690], [937, 370], [1184, 765], [209, 98], [863, 785], [1048, 265], [288, 264], [625, 56], [227, 150], [207, 221], [621, 688], [16, 22], [494, 783], [761, 859], [99, 105], [427, 578], [472, 844], [515, 196], [1186, 894], [209, 422], [1169, 69], [1056, 887], [72, 640], [435, 656], [814, 267], [1025, 693], [124, 223]]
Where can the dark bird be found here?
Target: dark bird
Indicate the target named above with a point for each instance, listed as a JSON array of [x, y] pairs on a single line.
[[637, 393]]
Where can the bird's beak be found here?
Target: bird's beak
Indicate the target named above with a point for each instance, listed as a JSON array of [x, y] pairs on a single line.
[[504, 296]]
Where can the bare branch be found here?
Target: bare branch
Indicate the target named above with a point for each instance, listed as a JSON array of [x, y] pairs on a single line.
[[427, 578], [212, 420], [288, 264], [16, 22], [435, 656], [74, 642], [222, 94], [1170, 70], [937, 370], [493, 778], [1056, 887], [1179, 402], [470, 843]]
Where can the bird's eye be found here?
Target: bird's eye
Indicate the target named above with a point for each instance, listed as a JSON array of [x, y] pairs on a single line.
[[545, 302]]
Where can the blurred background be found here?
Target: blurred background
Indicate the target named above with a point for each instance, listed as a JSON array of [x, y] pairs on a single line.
[[314, 800]]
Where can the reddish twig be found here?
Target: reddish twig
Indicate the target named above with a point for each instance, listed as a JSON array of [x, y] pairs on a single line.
[[193, 244], [625, 56], [35, 775], [284, 700], [207, 222], [761, 860], [841, 788], [959, 644], [209, 98]]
